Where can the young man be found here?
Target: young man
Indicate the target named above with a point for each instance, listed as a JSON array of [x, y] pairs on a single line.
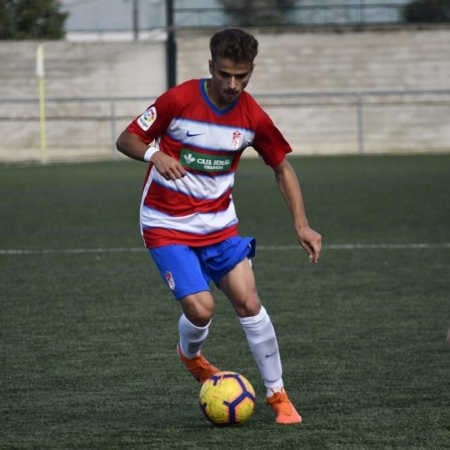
[[188, 221]]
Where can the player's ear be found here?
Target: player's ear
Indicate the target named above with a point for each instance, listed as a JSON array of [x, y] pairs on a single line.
[[211, 66]]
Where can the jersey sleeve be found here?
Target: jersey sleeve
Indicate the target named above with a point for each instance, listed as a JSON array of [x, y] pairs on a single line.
[[155, 119], [269, 142]]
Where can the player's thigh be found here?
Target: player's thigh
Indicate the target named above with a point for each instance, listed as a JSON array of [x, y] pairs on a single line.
[[181, 270], [240, 288]]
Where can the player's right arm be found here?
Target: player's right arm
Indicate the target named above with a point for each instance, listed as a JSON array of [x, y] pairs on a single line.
[[135, 139], [132, 146]]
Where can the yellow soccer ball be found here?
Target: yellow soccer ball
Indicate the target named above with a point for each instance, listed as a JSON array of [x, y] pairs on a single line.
[[227, 399]]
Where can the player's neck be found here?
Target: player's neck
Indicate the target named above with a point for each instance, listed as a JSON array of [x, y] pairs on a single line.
[[214, 97]]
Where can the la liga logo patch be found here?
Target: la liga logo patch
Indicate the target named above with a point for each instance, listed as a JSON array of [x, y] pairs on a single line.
[[146, 120]]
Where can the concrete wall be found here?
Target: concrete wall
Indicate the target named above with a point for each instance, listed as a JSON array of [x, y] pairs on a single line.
[[389, 58], [74, 70], [382, 58], [316, 61], [83, 69]]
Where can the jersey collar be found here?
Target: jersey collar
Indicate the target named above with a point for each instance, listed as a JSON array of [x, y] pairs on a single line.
[[217, 111]]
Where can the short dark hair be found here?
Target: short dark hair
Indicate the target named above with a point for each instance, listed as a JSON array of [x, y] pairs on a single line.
[[233, 44]]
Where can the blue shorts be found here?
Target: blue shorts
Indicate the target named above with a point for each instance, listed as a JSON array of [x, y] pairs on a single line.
[[187, 270]]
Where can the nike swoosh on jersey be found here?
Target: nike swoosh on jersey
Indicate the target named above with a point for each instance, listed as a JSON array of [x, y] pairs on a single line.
[[189, 134]]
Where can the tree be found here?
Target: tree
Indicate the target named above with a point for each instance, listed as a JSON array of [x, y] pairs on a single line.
[[427, 11], [31, 19], [258, 12]]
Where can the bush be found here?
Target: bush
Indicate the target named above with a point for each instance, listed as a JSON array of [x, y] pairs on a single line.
[[427, 11], [258, 12], [31, 19]]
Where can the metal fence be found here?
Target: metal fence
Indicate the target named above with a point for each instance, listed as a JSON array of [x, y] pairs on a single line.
[[313, 122], [189, 13], [143, 16], [303, 14]]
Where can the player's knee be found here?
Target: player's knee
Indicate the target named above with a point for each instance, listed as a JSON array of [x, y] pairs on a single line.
[[200, 318], [249, 308], [199, 313]]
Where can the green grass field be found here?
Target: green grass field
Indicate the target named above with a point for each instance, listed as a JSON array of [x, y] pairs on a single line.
[[88, 331]]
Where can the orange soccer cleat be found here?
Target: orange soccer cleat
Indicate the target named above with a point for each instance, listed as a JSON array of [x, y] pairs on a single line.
[[199, 367], [285, 412]]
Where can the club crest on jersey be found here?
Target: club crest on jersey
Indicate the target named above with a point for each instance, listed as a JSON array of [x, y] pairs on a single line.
[[170, 280], [236, 140], [146, 120]]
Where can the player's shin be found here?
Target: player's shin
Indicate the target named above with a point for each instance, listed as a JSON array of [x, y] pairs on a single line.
[[191, 337], [263, 344]]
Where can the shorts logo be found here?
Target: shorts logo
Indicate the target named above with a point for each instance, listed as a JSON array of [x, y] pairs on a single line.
[[170, 280], [236, 140], [146, 120]]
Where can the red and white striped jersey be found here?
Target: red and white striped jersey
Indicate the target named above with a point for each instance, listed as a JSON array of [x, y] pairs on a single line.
[[198, 209]]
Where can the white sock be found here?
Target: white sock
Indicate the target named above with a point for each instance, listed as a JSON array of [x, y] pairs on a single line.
[[264, 346], [191, 337]]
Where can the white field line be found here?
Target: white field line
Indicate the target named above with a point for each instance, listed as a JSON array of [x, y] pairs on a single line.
[[44, 251]]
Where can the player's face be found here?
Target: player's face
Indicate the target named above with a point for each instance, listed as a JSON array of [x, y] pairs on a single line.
[[228, 79]]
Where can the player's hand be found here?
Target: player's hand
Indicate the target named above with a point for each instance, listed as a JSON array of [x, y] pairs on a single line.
[[311, 241], [168, 167]]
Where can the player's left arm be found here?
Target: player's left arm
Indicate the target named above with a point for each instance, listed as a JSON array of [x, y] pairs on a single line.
[[289, 186]]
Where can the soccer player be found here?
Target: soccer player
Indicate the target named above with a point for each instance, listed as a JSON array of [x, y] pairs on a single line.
[[200, 129]]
